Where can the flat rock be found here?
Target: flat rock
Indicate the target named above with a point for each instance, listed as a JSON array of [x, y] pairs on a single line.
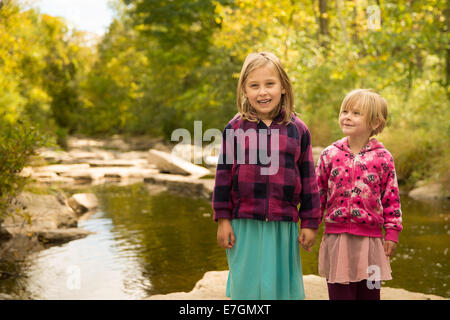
[[170, 163], [61, 235], [83, 202], [117, 163], [431, 191], [183, 185], [212, 287]]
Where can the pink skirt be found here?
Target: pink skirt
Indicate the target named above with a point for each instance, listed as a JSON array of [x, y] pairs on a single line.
[[345, 258]]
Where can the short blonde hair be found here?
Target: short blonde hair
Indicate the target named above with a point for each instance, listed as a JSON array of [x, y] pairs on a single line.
[[255, 61], [371, 105]]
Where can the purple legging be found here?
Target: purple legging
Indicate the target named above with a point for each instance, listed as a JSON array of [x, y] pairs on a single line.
[[352, 291]]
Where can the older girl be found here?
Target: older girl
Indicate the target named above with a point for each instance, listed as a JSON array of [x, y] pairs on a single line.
[[256, 202]]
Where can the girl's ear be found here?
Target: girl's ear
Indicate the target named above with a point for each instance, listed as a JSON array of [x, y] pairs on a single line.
[[283, 91], [376, 125]]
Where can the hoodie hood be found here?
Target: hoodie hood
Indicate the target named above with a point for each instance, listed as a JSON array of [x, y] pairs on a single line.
[[373, 144]]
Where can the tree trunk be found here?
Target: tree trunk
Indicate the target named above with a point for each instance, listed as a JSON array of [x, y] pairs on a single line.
[[341, 20], [447, 53], [355, 36], [323, 23]]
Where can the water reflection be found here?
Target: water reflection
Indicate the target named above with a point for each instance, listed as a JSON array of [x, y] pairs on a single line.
[[174, 237], [91, 268]]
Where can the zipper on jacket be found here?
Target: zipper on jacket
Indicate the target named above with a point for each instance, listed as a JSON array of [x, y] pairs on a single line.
[[267, 176], [353, 187]]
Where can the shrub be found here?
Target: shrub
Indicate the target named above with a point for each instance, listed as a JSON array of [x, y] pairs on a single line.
[[18, 141]]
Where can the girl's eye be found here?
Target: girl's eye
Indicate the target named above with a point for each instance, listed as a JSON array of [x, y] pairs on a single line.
[[356, 112]]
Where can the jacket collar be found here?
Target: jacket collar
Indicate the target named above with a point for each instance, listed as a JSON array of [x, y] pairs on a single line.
[[373, 144]]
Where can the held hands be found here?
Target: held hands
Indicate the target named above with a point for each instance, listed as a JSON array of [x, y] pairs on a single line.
[[307, 237], [389, 248], [225, 234]]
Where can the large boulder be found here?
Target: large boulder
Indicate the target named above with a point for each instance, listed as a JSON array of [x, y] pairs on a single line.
[[83, 202], [430, 191], [4, 234], [46, 211], [170, 163], [46, 217]]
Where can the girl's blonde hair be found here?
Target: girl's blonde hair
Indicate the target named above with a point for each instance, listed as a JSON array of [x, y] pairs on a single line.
[[371, 105], [255, 61]]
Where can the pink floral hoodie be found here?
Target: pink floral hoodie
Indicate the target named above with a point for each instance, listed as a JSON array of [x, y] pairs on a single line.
[[359, 192]]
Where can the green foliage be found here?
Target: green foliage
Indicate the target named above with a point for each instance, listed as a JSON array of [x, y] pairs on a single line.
[[187, 22], [419, 134], [18, 142], [40, 68]]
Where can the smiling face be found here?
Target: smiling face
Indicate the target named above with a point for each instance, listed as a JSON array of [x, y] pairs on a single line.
[[354, 124], [263, 90]]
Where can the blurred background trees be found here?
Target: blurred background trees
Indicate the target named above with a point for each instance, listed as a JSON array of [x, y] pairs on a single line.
[[164, 64]]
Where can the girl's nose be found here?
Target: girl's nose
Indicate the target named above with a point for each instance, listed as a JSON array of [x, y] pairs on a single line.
[[263, 90]]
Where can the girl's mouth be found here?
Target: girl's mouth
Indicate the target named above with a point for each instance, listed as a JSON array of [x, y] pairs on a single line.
[[266, 101]]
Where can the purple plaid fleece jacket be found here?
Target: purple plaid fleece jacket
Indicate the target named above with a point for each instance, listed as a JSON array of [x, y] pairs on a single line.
[[244, 191]]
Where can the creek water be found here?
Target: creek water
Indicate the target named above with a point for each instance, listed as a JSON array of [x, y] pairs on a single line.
[[147, 244]]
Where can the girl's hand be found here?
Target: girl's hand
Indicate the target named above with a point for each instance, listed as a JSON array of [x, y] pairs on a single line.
[[389, 248], [307, 237], [225, 235]]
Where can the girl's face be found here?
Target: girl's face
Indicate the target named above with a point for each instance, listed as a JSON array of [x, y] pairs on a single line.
[[263, 90], [354, 124]]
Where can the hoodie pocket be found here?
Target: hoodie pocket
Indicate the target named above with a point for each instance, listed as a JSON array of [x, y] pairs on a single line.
[[337, 216]]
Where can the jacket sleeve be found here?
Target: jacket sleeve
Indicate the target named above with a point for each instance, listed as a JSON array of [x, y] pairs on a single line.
[[309, 211], [323, 174], [221, 202], [390, 200]]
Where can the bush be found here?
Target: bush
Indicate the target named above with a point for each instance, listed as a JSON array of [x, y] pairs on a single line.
[[18, 142], [418, 133]]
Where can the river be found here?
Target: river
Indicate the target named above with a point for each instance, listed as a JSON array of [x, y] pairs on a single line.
[[147, 244]]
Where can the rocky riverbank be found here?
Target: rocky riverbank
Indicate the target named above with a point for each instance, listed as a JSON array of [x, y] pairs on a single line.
[[94, 161], [36, 221]]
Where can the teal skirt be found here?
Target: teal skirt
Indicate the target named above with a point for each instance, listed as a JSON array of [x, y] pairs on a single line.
[[265, 261]]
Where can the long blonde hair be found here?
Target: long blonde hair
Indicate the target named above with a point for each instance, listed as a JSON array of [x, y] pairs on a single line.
[[255, 61]]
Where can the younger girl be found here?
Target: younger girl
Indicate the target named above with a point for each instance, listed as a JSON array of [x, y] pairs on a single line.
[[256, 202], [359, 191]]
